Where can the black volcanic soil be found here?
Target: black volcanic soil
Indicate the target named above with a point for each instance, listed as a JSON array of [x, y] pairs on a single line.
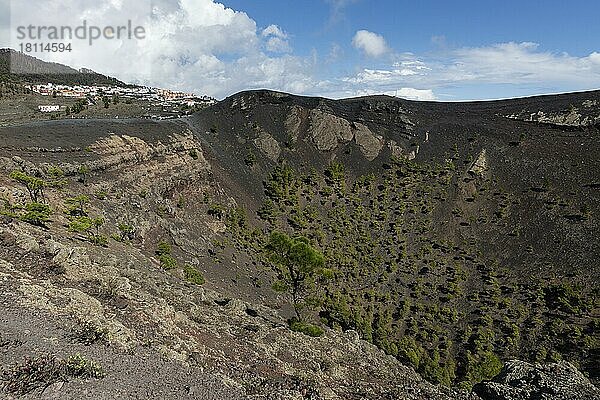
[[71, 136], [537, 163], [138, 373], [531, 216]]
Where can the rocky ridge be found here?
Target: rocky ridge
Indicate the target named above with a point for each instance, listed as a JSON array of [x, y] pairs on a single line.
[[523, 381], [163, 181], [123, 292]]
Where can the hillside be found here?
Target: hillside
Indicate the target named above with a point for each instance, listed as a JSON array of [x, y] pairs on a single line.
[[456, 238], [459, 233], [44, 72]]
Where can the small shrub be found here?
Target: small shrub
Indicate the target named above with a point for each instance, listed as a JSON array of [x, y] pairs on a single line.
[[99, 240], [83, 172], [163, 248], [8, 209], [193, 275], [76, 206], [37, 214], [409, 350], [41, 372], [90, 227], [163, 252], [35, 186], [267, 211], [306, 328], [87, 333], [126, 232], [250, 159], [32, 374], [167, 262], [56, 175], [279, 286], [78, 366], [55, 172], [483, 366], [217, 211]]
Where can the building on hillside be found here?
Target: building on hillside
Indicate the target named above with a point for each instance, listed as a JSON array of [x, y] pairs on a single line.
[[48, 109]]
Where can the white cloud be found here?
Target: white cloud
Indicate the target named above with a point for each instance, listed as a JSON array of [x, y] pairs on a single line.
[[416, 94], [405, 93], [191, 45], [278, 45], [367, 76], [337, 10], [595, 57], [274, 30], [276, 40], [335, 53], [513, 64], [372, 44]]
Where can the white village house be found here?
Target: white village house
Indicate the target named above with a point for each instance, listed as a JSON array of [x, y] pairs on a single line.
[[47, 109]]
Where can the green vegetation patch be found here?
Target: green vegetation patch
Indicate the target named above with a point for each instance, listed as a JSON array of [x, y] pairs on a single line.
[[306, 328], [362, 253], [167, 261], [40, 372], [193, 275]]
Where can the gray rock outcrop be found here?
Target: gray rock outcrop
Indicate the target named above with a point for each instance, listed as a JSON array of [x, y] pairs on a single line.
[[328, 131], [370, 144], [480, 165], [268, 145], [520, 380]]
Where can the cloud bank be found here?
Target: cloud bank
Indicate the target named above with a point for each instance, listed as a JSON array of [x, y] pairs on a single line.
[[510, 64], [191, 45], [205, 47], [372, 44]]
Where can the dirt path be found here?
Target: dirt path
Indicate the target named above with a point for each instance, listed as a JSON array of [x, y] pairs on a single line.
[[136, 374]]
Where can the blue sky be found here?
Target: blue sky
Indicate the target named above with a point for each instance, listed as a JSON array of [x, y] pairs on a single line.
[[570, 26], [431, 30], [427, 50]]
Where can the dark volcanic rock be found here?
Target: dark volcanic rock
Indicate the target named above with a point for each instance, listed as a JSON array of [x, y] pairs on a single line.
[[499, 223], [524, 381]]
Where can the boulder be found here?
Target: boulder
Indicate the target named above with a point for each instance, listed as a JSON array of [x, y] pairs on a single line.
[[268, 146], [328, 131], [370, 144], [520, 380]]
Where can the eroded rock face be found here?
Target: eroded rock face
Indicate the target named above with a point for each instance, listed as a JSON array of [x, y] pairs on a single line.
[[480, 165], [520, 380], [395, 149], [268, 145], [293, 122], [328, 131], [584, 115], [370, 144]]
